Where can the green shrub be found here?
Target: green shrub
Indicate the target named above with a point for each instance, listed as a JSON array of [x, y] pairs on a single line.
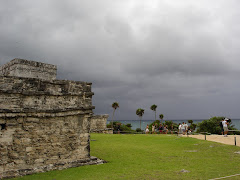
[[129, 125], [193, 126], [138, 130], [120, 126], [212, 126]]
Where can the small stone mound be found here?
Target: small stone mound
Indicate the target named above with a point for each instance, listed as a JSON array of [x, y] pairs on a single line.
[[184, 171], [191, 151]]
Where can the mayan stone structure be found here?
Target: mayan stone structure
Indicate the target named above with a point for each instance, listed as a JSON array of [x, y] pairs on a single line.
[[30, 69], [44, 122], [99, 124]]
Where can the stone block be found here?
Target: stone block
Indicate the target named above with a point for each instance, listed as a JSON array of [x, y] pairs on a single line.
[[17, 141], [41, 160], [19, 161], [26, 140], [29, 149], [32, 119]]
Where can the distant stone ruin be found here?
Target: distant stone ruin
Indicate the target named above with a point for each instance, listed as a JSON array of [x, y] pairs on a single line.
[[99, 124], [44, 122]]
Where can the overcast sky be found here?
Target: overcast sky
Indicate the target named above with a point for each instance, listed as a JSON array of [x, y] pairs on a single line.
[[182, 56]]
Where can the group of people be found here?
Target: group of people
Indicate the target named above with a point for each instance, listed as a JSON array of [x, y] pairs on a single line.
[[162, 129], [183, 128]]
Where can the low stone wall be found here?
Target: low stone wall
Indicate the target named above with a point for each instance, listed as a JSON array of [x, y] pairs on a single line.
[[31, 144], [99, 122], [103, 131]]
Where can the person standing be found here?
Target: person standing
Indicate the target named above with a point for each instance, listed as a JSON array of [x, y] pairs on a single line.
[[153, 128], [180, 128], [147, 130], [165, 129], [171, 129], [183, 128], [221, 126], [225, 127], [186, 127], [160, 128]]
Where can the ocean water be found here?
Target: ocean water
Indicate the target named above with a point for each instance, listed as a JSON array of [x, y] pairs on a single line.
[[136, 123]]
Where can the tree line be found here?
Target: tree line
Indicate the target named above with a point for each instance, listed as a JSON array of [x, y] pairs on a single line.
[[210, 125], [139, 112]]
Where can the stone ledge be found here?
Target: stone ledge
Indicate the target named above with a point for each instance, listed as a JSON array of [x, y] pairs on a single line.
[[6, 114], [100, 116], [28, 62], [33, 86], [28, 110], [57, 166], [25, 68], [53, 81]]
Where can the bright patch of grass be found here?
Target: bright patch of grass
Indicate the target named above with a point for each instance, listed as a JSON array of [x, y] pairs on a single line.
[[153, 157]]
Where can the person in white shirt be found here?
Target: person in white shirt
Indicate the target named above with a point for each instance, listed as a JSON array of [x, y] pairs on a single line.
[[225, 127], [183, 128], [186, 127], [153, 128], [180, 129]]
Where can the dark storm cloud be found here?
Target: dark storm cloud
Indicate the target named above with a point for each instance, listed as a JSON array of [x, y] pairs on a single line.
[[181, 55]]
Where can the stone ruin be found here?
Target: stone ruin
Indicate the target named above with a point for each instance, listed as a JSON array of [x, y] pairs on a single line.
[[99, 123], [44, 123]]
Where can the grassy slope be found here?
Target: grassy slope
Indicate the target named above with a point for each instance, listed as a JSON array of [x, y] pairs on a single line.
[[153, 157]]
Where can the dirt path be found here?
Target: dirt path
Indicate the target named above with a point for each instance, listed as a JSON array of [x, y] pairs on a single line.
[[230, 139]]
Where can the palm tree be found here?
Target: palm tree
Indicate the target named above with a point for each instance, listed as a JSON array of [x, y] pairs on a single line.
[[154, 107], [161, 116], [115, 105], [140, 113]]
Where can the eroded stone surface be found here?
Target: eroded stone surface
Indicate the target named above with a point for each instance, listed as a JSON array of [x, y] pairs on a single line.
[[32, 69]]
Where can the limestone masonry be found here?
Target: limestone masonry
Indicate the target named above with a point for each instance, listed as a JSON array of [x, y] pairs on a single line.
[[31, 69], [99, 123], [44, 122]]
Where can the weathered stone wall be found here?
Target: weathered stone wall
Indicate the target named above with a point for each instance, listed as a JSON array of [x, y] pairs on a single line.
[[31, 95], [99, 122], [26, 68], [38, 144], [44, 125]]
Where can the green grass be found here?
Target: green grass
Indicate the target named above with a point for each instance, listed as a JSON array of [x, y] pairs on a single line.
[[152, 157]]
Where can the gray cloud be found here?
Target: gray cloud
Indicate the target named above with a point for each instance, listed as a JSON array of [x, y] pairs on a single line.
[[182, 56]]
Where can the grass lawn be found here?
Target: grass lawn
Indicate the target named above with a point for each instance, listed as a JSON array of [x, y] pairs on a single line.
[[153, 157]]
